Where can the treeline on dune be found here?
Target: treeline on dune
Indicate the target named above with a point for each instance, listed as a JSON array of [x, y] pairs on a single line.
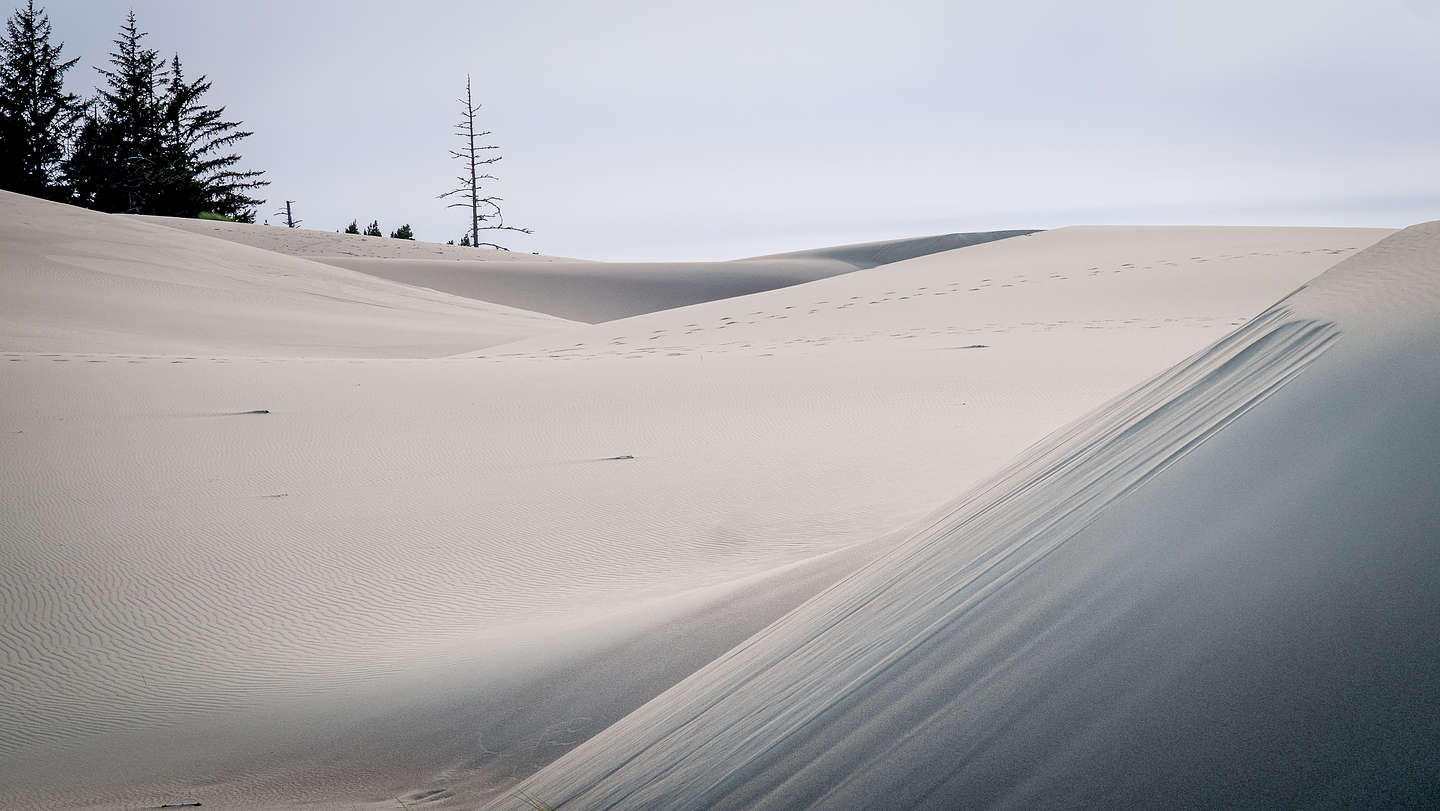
[[146, 142]]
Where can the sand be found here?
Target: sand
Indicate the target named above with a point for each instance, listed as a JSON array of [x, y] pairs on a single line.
[[79, 281], [570, 288], [309, 243], [1214, 591], [427, 577]]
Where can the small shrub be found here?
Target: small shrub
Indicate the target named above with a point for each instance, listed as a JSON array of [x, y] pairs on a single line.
[[210, 215]]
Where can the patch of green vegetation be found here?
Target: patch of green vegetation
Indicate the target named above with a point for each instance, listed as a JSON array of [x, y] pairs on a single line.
[[210, 215]]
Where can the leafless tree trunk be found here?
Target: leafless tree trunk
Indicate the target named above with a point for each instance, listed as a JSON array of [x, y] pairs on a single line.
[[290, 221], [484, 209]]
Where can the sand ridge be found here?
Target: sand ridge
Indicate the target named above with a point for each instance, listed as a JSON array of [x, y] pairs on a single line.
[[1077, 279], [262, 609], [1189, 580], [310, 243], [571, 288], [605, 291], [79, 281]]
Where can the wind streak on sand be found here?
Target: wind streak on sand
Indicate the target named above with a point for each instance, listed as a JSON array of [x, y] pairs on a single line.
[[1123, 617]]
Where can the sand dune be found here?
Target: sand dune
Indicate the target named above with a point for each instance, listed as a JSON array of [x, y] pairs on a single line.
[[863, 255], [426, 578], [604, 291], [1216, 590], [77, 281], [1009, 296], [311, 244], [572, 288]]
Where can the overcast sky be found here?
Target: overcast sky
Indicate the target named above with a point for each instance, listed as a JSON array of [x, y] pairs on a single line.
[[676, 130]]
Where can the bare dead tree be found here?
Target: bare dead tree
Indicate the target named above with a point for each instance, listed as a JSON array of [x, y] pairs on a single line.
[[290, 221], [484, 208]]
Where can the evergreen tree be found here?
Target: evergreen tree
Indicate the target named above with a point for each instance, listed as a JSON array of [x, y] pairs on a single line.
[[352, 228], [403, 232], [201, 173], [373, 229], [89, 160], [176, 190], [37, 116], [119, 162], [149, 145]]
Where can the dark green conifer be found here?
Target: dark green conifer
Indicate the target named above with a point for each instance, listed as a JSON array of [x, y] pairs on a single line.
[[201, 171], [149, 145], [37, 116], [118, 161]]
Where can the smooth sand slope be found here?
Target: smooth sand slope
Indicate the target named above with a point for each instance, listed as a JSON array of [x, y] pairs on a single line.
[[604, 291], [426, 578], [73, 280], [570, 288], [1215, 591]]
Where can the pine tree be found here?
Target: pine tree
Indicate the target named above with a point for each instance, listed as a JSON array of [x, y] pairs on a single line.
[[89, 160], [149, 145], [403, 232], [37, 116], [176, 190], [119, 162], [201, 172], [352, 228], [373, 229]]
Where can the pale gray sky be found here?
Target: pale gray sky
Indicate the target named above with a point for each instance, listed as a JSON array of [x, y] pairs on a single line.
[[675, 130]]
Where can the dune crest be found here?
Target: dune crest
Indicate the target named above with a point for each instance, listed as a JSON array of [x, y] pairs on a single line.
[[74, 280], [1214, 590], [271, 581], [575, 289], [605, 291], [310, 243]]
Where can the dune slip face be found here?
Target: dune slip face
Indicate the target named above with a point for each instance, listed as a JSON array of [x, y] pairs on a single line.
[[1215, 590], [572, 288], [266, 576], [604, 291], [78, 281]]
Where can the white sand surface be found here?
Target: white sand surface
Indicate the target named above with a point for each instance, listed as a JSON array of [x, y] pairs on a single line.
[[426, 578], [605, 291], [1217, 590], [78, 281], [310, 243], [572, 288]]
